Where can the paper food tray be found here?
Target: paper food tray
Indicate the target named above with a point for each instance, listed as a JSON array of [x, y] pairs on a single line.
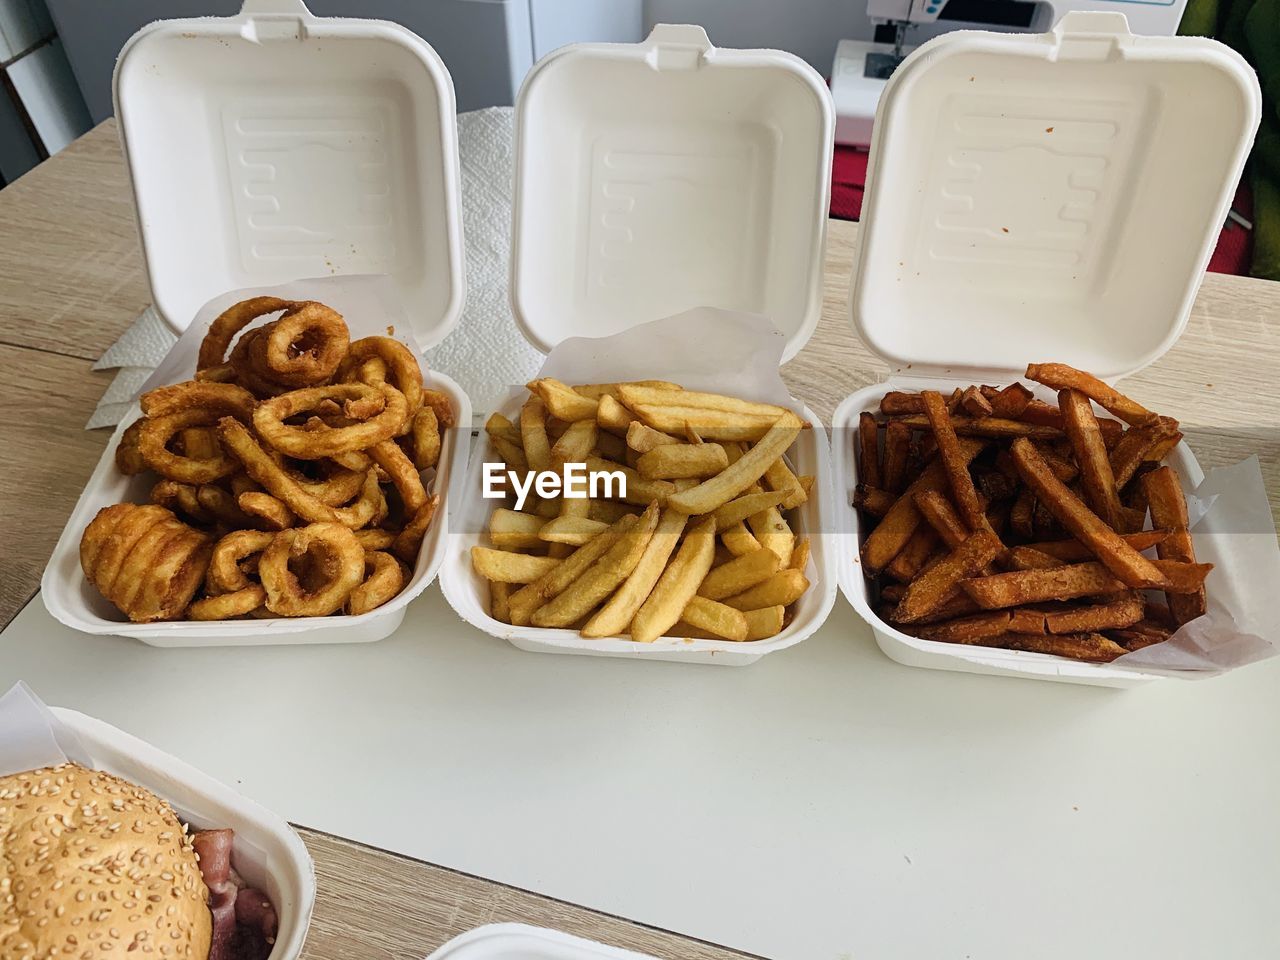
[[367, 303], [267, 852], [515, 941], [1017, 211]]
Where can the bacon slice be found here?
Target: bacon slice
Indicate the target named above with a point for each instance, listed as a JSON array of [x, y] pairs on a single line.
[[222, 905], [213, 850], [244, 921]]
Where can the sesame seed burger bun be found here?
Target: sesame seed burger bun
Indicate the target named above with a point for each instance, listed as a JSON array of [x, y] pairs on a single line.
[[88, 859]]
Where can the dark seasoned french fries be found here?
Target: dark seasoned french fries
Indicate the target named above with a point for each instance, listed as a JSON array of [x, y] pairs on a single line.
[[999, 519]]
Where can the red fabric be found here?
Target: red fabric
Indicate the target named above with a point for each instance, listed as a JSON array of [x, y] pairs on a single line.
[[849, 176], [1235, 244]]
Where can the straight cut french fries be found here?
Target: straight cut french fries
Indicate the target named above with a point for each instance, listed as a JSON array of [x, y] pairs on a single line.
[[746, 470], [562, 401], [700, 544], [1121, 559], [781, 590], [718, 619], [679, 461], [533, 595], [642, 439], [942, 581], [570, 529], [602, 578], [1169, 511], [747, 505], [512, 530], [1059, 376], [616, 615], [739, 574], [1000, 519], [893, 532], [954, 462], [1069, 581], [678, 584], [504, 567], [1091, 453], [710, 424], [634, 394]]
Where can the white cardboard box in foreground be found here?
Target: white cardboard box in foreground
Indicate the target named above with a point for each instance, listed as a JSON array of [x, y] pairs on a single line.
[[653, 179], [368, 303], [745, 342], [262, 148], [267, 852], [1020, 209], [516, 941]]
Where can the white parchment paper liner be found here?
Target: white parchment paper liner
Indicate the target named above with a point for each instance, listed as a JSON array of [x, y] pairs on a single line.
[[32, 737], [720, 351], [370, 304], [1232, 528]]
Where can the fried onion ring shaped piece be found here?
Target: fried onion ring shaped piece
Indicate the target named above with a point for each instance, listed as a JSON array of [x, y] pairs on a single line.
[[338, 485], [128, 458], [402, 472], [265, 511], [400, 366], [314, 444], [425, 438], [384, 578], [153, 444], [226, 566], [248, 364], [232, 400], [409, 540], [228, 606], [375, 538], [442, 405], [311, 571], [173, 410], [368, 508], [213, 349], [304, 347]]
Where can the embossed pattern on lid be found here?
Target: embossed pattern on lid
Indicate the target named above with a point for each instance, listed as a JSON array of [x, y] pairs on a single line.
[[275, 145], [657, 177], [1052, 195]]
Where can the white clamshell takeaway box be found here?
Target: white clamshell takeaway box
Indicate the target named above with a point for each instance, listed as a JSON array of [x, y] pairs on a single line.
[[653, 179], [263, 149], [1037, 197], [267, 853], [516, 941]]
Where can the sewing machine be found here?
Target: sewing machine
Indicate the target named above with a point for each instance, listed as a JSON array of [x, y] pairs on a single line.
[[861, 67]]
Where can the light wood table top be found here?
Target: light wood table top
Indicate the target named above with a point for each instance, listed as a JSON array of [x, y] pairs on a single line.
[[71, 280]]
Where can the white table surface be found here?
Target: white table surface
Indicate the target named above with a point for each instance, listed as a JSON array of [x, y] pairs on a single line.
[[823, 804]]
